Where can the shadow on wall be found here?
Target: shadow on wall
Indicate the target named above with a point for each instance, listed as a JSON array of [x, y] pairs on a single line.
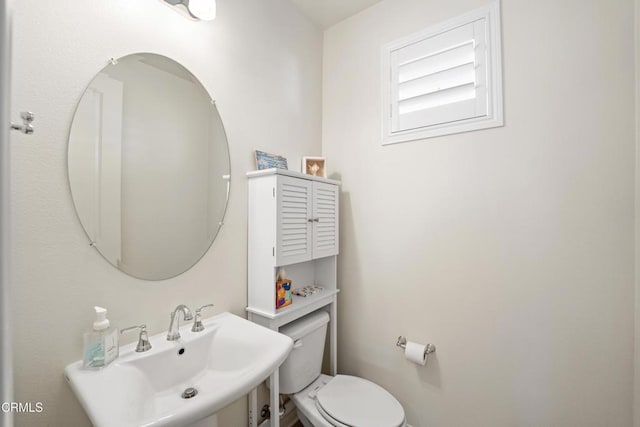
[[352, 276], [377, 359]]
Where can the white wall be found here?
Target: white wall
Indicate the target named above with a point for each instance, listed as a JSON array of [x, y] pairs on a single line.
[[6, 366], [636, 388], [261, 61], [511, 249]]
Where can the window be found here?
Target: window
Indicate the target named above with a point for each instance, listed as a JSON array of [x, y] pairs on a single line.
[[445, 79]]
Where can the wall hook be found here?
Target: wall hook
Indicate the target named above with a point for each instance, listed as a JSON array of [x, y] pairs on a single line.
[[26, 127]]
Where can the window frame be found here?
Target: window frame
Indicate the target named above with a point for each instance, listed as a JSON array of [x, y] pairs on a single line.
[[494, 116]]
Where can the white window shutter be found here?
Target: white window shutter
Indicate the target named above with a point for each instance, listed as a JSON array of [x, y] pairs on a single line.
[[446, 79]]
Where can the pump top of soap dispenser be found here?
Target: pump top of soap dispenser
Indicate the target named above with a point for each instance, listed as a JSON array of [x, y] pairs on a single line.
[[101, 322]]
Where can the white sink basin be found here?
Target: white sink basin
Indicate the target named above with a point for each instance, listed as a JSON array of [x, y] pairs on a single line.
[[223, 362]]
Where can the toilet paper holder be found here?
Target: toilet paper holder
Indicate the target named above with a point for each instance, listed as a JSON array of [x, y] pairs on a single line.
[[402, 342]]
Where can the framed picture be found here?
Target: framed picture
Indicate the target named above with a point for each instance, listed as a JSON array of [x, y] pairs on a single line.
[[268, 161], [314, 166]]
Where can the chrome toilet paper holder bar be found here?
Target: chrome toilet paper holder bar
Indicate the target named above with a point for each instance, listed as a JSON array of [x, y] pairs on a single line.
[[402, 342]]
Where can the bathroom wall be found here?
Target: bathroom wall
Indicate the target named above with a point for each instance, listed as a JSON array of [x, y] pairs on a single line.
[[511, 249], [636, 389], [262, 62], [6, 367]]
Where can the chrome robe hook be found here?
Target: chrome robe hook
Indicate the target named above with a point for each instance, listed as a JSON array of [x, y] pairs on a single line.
[[26, 127]]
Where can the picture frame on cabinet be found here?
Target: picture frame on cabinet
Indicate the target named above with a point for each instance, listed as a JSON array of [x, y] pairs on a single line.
[[315, 166], [267, 161]]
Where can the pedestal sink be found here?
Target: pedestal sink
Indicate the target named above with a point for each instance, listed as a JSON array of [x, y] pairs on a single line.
[[222, 363]]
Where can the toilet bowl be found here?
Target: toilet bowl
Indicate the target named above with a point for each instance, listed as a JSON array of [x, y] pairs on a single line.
[[325, 401], [344, 401]]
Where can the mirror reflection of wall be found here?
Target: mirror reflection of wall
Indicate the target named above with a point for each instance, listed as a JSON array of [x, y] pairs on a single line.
[[149, 166]]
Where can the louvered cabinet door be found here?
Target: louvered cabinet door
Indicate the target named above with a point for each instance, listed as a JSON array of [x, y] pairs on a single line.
[[294, 197], [325, 220]]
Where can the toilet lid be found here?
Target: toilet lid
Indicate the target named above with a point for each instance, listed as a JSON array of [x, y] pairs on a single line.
[[357, 402]]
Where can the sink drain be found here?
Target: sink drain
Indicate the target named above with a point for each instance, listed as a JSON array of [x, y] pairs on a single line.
[[189, 393]]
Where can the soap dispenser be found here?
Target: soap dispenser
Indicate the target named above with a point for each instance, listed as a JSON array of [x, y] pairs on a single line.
[[101, 344]]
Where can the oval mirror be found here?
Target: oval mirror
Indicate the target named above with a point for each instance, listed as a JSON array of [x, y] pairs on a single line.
[[149, 166]]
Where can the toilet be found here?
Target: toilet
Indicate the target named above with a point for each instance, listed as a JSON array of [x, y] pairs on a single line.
[[325, 401]]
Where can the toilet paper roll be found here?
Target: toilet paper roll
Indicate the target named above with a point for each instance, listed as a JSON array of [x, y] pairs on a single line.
[[416, 353]]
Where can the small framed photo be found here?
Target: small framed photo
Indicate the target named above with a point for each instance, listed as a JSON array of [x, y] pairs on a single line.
[[268, 161], [315, 166]]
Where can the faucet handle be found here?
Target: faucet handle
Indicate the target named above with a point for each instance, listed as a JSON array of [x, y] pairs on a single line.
[[143, 338], [197, 323]]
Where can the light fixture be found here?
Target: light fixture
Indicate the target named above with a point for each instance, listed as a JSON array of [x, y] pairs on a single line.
[[198, 9]]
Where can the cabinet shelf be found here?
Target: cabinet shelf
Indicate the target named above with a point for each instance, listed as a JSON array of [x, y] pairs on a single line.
[[298, 308], [289, 264], [284, 172]]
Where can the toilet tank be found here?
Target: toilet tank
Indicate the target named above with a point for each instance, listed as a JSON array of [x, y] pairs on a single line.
[[305, 360]]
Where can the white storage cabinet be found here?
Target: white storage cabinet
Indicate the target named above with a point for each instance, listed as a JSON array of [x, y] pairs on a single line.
[[293, 222]]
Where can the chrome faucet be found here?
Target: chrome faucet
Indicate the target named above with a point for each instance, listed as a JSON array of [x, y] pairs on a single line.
[[174, 326], [143, 338], [197, 324]]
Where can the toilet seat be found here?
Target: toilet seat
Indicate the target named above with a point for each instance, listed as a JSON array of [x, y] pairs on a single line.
[[352, 401], [329, 418]]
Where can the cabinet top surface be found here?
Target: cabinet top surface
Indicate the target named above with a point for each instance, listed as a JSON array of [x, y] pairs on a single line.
[[299, 305], [276, 171]]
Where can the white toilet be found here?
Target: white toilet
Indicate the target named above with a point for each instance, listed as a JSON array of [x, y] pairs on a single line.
[[325, 401]]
